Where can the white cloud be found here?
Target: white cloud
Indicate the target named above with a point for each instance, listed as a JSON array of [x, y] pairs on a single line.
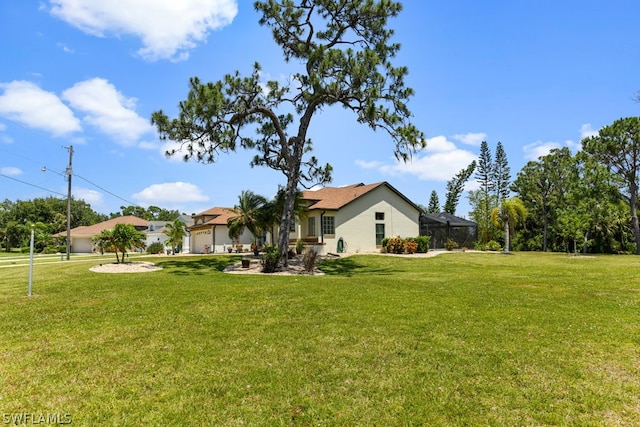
[[172, 194], [65, 48], [90, 196], [439, 161], [10, 171], [168, 29], [586, 131], [26, 103], [538, 149], [472, 138], [108, 110], [368, 165]]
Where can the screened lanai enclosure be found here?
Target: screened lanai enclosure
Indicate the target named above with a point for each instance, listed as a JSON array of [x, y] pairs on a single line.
[[444, 226]]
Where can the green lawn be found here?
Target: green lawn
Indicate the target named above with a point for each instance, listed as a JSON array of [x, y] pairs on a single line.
[[458, 339]]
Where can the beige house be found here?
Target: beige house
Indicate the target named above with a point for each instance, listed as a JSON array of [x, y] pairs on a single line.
[[355, 218], [210, 234], [82, 237]]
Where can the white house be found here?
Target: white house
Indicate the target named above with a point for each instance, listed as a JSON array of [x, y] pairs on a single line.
[[355, 218], [209, 232]]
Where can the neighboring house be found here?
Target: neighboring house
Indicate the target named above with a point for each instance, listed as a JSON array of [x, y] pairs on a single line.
[[155, 232], [355, 218], [209, 232], [82, 237]]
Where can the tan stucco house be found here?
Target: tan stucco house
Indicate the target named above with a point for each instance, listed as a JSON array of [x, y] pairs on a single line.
[[82, 237], [356, 218], [210, 234]]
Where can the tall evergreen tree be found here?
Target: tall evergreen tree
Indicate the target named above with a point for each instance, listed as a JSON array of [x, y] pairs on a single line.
[[434, 203], [501, 174], [455, 187], [485, 169]]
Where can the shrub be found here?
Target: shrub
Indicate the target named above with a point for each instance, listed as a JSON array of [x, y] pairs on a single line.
[[395, 245], [411, 246], [492, 245], [155, 248], [270, 259], [309, 260], [451, 245], [423, 243], [383, 243]]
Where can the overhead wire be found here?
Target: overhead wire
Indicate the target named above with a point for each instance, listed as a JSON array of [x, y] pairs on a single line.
[[62, 174]]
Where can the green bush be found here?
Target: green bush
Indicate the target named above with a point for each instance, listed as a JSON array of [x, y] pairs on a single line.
[[492, 245], [423, 243], [155, 248], [270, 259], [383, 243]]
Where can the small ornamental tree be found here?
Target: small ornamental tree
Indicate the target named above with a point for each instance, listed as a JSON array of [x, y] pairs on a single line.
[[342, 55], [122, 238]]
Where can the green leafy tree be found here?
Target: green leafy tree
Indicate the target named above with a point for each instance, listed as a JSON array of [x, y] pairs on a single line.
[[434, 203], [122, 238], [175, 231], [510, 214], [617, 146], [455, 187], [542, 186], [343, 56]]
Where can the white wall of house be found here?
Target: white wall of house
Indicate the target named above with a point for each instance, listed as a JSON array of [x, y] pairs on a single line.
[[356, 222], [216, 238]]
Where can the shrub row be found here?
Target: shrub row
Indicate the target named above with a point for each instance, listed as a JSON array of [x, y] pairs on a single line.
[[410, 245]]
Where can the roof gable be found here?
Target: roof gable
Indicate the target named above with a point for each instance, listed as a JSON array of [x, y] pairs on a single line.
[[95, 229], [334, 198]]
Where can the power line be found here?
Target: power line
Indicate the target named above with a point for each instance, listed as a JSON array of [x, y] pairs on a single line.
[[33, 185], [62, 174], [106, 191]]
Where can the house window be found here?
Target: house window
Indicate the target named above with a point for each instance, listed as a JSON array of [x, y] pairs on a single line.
[[379, 216], [311, 231], [379, 234], [328, 225]]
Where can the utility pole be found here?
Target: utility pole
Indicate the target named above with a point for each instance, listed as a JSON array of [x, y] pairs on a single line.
[[69, 172]]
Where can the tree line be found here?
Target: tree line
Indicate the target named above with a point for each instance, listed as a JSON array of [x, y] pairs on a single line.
[[585, 202], [48, 216]]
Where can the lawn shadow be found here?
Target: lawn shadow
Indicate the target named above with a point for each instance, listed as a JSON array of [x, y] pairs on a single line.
[[186, 266], [350, 266]]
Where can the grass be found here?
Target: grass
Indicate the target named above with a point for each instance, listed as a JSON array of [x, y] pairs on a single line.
[[459, 339]]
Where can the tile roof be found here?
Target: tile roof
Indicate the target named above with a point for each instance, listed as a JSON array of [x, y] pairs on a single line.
[[221, 216], [95, 229], [334, 198], [337, 197]]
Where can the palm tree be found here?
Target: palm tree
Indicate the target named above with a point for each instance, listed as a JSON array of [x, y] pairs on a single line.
[[272, 212], [176, 232], [248, 215], [510, 214], [121, 238]]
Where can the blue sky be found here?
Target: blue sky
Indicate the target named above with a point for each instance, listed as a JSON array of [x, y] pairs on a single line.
[[533, 75]]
